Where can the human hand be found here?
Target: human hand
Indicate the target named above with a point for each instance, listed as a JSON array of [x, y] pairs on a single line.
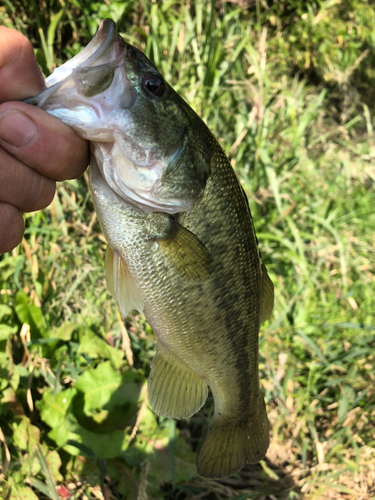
[[36, 149]]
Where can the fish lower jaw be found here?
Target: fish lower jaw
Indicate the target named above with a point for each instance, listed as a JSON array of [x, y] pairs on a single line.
[[145, 200]]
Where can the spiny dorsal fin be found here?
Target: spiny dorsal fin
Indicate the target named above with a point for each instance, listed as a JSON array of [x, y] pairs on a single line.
[[174, 390], [267, 296], [267, 285], [121, 284], [186, 253]]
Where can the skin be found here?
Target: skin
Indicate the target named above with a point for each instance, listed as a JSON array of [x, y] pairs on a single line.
[[31, 157]]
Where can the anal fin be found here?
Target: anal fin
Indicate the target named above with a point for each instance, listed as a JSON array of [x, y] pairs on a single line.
[[121, 284], [174, 390]]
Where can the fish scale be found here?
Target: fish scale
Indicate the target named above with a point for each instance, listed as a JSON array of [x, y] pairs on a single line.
[[182, 247]]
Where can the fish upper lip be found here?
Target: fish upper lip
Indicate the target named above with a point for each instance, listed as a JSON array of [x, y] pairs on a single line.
[[106, 25], [108, 30]]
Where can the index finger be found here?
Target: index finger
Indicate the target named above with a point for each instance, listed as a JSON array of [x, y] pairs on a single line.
[[55, 151], [20, 76]]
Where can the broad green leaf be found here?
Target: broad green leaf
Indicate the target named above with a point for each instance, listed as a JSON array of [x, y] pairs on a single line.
[[8, 395], [9, 265], [6, 331], [103, 445], [94, 346], [92, 413], [26, 435], [53, 461], [61, 435], [64, 332], [5, 368], [22, 493], [5, 311], [30, 314], [53, 408], [105, 388], [9, 374], [98, 385], [30, 465]]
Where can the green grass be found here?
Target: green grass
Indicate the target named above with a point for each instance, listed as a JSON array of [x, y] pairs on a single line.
[[287, 90]]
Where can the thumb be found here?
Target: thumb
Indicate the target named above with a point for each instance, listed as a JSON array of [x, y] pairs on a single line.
[[16, 128]]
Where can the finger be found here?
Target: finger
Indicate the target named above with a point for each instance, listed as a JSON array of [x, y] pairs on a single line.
[[19, 72], [11, 227], [42, 142], [22, 186]]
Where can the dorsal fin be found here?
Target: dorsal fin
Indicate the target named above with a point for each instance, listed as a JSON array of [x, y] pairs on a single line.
[[267, 292], [267, 295]]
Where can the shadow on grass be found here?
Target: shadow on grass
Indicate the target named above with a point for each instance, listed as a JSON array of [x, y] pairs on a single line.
[[160, 462], [251, 483], [272, 479]]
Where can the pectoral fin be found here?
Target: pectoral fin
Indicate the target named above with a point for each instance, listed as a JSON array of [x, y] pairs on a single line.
[[186, 253], [174, 390], [121, 284], [267, 295]]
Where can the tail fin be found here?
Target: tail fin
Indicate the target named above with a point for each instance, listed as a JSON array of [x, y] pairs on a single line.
[[228, 445]]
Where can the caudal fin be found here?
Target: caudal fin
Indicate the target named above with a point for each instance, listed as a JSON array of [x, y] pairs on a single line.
[[228, 446]]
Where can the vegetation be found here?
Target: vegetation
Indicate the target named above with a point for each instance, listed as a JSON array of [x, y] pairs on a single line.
[[287, 87]]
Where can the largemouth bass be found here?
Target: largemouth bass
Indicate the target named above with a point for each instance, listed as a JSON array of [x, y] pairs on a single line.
[[181, 242]]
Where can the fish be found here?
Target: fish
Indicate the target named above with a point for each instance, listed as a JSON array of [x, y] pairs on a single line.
[[182, 248]]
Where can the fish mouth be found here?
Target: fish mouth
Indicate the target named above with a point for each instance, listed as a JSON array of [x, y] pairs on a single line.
[[90, 72]]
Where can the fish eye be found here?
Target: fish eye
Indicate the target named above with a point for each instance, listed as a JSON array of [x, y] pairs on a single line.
[[154, 85]]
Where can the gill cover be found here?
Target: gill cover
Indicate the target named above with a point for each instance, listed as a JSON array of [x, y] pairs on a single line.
[[142, 133]]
